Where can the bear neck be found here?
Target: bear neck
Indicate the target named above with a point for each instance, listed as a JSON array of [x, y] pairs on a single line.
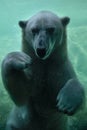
[[59, 54]]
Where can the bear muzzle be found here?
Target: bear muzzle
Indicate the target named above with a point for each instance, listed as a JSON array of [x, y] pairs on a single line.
[[41, 48]]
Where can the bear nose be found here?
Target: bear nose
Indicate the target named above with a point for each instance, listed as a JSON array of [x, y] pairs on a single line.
[[41, 44], [41, 52]]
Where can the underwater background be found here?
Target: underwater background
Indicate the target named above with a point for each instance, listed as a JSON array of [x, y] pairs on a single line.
[[10, 36]]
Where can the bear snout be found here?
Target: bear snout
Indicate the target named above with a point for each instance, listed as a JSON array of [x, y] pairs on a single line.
[[41, 43]]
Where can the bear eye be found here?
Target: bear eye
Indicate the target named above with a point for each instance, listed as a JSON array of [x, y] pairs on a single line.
[[50, 30], [35, 31]]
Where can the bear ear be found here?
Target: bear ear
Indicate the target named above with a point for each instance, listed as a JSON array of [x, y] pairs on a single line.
[[65, 21], [22, 24]]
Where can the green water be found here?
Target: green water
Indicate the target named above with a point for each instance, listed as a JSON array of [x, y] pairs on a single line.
[[10, 36]]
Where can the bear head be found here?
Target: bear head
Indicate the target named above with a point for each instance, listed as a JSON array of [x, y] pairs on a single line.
[[43, 33]]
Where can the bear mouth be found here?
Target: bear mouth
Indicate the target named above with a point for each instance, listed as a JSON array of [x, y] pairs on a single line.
[[41, 52]]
